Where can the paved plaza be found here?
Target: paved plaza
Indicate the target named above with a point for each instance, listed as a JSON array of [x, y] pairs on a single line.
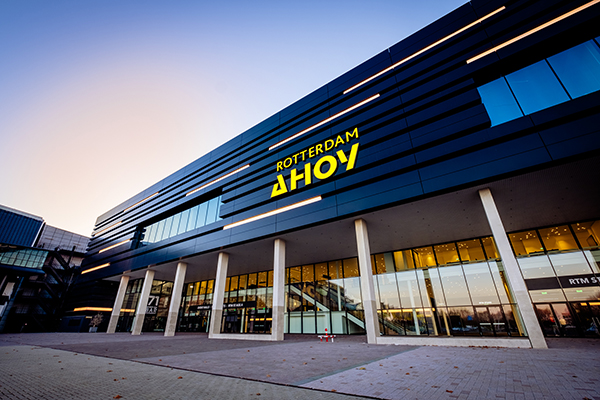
[[189, 366]]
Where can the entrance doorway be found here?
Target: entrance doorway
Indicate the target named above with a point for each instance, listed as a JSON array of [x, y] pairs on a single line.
[[575, 319]]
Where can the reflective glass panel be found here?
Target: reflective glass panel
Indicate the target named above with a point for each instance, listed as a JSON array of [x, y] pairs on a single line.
[[547, 295], [480, 283], [446, 253], [308, 273], [408, 288], [558, 238], [321, 272], [455, 287], [424, 257], [500, 281], [525, 243], [593, 258], [536, 87], [192, 219], [160, 231], [201, 221], [585, 293], [211, 214], [295, 274], [388, 291], [175, 226], [536, 267], [588, 233], [167, 232], [570, 264], [499, 101], [463, 321], [578, 68], [184, 222], [471, 250], [262, 279]]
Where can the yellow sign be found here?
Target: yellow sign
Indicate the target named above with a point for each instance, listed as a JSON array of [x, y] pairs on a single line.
[[325, 166]]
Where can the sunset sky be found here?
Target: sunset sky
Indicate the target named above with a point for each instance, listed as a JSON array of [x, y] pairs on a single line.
[[99, 99]]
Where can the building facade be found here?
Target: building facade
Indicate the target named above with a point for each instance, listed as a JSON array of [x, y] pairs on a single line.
[[38, 266], [442, 192]]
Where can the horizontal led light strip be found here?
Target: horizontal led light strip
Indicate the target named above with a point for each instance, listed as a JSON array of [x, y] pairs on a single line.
[[95, 268], [107, 228], [418, 53], [101, 309], [114, 245], [347, 110], [532, 31], [218, 179], [274, 212], [141, 201]]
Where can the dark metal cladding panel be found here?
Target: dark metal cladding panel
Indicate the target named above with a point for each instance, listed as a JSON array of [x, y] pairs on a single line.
[[17, 229]]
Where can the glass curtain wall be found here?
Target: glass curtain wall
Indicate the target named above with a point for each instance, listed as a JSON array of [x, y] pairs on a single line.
[[156, 310], [450, 289], [196, 306], [184, 221], [324, 297], [561, 267], [570, 74]]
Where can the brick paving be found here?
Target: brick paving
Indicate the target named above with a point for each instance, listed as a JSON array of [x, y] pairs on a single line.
[[216, 369]]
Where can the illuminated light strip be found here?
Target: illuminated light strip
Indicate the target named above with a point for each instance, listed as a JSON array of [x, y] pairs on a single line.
[[532, 31], [114, 245], [141, 201], [92, 309], [218, 179], [95, 268], [347, 110], [127, 310], [107, 228], [418, 53], [274, 212]]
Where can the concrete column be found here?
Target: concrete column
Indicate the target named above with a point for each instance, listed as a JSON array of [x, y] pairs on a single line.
[[116, 311], [175, 299], [140, 313], [513, 273], [219, 294], [369, 300], [278, 290]]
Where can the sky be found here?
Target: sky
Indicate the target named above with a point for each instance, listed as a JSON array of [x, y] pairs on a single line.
[[100, 99]]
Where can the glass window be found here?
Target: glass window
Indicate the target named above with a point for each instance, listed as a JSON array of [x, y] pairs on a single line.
[[308, 273], [481, 285], [211, 214], [192, 219], [593, 257], [388, 292], [583, 293], [558, 238], [148, 233], [403, 260], [160, 232], [446, 253], [201, 221], [351, 268], [455, 287], [335, 270], [262, 279], [536, 267], [570, 264], [408, 288], [578, 68], [175, 226], [295, 274], [525, 243], [547, 295], [471, 250], [490, 248], [588, 233], [321, 272], [424, 257], [536, 87], [384, 263], [500, 281], [184, 222], [499, 101], [167, 231]]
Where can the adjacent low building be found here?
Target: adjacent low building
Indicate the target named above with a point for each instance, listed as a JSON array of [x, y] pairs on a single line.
[[442, 192], [38, 266]]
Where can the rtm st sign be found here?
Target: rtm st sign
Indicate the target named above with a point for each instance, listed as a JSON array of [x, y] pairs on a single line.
[[323, 168]]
